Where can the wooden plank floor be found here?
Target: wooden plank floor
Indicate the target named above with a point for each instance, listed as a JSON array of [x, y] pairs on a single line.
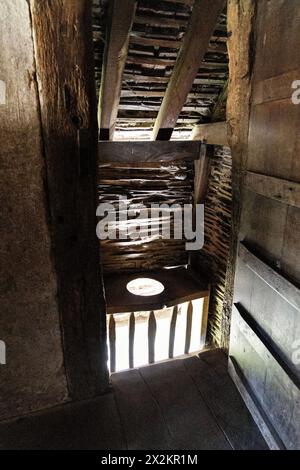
[[182, 404]]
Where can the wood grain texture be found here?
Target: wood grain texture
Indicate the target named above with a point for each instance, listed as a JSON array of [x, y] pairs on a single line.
[[139, 152], [203, 21], [287, 192], [121, 18], [240, 51], [34, 377], [214, 133], [64, 58]]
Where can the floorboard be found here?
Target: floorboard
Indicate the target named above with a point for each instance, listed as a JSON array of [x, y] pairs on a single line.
[[225, 403], [190, 422], [140, 415], [87, 425], [188, 403]]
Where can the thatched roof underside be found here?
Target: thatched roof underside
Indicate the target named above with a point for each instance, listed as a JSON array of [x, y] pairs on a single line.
[[155, 39]]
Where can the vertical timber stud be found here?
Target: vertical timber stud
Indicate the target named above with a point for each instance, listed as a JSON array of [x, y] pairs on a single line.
[[240, 18], [62, 35], [195, 44], [121, 16]]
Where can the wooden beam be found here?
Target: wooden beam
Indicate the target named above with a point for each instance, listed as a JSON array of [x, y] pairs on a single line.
[[275, 280], [201, 172], [121, 16], [287, 192], [138, 152], [195, 43], [214, 133], [63, 44]]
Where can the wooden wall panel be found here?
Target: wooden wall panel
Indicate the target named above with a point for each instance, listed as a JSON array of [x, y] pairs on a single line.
[[274, 139], [269, 222], [277, 38]]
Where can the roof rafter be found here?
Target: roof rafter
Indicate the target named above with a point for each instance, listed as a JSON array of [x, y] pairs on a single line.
[[204, 18], [121, 16]]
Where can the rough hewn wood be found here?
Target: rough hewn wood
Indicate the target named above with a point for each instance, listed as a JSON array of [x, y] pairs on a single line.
[[64, 58], [240, 50], [121, 18], [144, 184], [195, 43], [34, 376], [214, 133], [139, 152], [274, 279], [287, 192]]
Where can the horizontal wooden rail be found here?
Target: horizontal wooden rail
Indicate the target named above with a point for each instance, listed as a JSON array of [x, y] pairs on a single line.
[[281, 190], [272, 278], [138, 152], [267, 342]]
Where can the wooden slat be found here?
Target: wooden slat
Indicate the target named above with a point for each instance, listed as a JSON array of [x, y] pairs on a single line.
[[204, 320], [155, 61], [195, 43], [131, 339], [172, 331], [137, 152], [287, 192], [142, 419], [112, 343], [189, 320], [275, 394], [201, 171], [259, 416], [225, 403], [121, 18], [160, 21], [191, 424], [161, 93], [156, 42], [267, 342], [214, 133], [276, 281], [151, 337]]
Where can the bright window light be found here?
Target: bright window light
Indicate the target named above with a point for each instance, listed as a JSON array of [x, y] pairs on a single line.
[[145, 286]]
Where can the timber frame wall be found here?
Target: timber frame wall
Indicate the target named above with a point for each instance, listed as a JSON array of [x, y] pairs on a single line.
[[264, 121], [53, 310]]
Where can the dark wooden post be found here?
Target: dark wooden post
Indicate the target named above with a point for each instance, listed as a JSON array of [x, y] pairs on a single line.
[[64, 56]]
